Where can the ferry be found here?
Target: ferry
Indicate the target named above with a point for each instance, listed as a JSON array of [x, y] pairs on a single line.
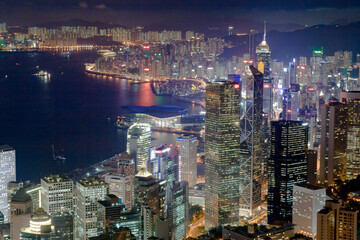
[[42, 73]]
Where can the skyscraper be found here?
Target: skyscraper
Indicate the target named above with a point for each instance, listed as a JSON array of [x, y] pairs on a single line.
[[88, 221], [178, 210], [287, 166], [138, 143], [222, 148], [307, 201], [263, 58], [333, 143], [7, 174], [335, 222], [148, 201], [251, 147], [352, 100], [187, 146], [57, 194], [123, 187]]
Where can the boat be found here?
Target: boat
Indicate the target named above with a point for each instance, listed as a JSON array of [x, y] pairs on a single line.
[[58, 157], [121, 124], [65, 54], [42, 73]]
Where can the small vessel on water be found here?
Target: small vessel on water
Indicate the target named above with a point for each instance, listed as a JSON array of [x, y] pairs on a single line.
[[121, 124], [42, 73], [65, 54], [58, 156]]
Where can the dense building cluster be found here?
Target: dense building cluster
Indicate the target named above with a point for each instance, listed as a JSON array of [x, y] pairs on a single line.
[[281, 146]]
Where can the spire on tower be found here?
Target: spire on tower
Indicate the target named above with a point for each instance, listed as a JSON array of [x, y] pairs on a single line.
[[265, 30]]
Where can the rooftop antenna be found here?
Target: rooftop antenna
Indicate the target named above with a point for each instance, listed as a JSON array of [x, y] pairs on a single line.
[[265, 30]]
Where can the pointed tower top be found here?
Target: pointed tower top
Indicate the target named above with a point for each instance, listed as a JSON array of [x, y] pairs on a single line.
[[265, 30]]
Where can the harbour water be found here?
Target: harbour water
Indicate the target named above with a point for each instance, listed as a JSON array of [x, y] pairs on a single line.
[[71, 109]]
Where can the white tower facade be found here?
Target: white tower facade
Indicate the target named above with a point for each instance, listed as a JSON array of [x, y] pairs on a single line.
[[7, 174]]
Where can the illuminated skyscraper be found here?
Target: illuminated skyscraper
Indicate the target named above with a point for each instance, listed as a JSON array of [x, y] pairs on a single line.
[[138, 143], [333, 143], [307, 201], [263, 57], [335, 222], [352, 100], [178, 209], [251, 147], [287, 167], [57, 194], [88, 221], [7, 174], [222, 148], [149, 201], [187, 146]]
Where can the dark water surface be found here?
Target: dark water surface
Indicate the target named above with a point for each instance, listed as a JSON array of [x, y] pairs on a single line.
[[70, 110]]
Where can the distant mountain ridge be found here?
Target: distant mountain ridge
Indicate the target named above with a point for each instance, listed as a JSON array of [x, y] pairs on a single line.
[[79, 22], [287, 45]]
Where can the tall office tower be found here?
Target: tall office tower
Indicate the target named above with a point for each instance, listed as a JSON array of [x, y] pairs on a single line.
[[148, 200], [57, 194], [231, 29], [87, 220], [251, 146], [307, 201], [126, 165], [263, 56], [333, 143], [138, 143], [352, 100], [7, 174], [187, 146], [178, 210], [171, 172], [287, 167], [20, 212], [222, 148], [335, 222], [252, 44], [123, 187], [155, 163], [312, 167], [3, 27]]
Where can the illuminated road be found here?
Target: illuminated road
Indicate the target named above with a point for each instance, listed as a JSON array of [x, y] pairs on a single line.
[[194, 230], [90, 68]]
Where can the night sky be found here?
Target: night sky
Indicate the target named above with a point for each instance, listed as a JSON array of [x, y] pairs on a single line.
[[178, 12]]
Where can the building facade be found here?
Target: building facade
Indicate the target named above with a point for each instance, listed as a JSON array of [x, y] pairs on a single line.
[[87, 220], [222, 149], [307, 201], [57, 194], [251, 146], [352, 100], [7, 174], [138, 143], [187, 146], [287, 167], [333, 143], [335, 222]]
